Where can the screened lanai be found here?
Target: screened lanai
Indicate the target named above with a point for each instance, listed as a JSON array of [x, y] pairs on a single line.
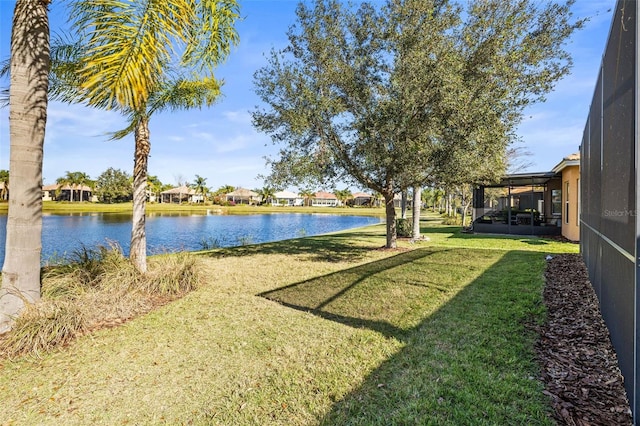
[[522, 204]]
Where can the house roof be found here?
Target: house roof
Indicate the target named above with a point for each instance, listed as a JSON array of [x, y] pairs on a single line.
[[569, 160], [362, 195], [325, 195], [286, 194], [180, 190], [55, 186], [242, 192], [524, 179]]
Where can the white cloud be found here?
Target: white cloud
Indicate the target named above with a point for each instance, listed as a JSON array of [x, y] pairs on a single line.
[[238, 117]]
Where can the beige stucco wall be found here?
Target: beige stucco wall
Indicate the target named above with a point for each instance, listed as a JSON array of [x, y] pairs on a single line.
[[570, 222]]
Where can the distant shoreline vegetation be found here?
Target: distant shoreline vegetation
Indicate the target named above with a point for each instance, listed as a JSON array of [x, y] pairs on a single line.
[[64, 207]]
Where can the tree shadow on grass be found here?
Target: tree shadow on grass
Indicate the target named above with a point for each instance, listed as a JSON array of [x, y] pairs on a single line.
[[324, 248], [467, 359], [330, 296], [470, 362]]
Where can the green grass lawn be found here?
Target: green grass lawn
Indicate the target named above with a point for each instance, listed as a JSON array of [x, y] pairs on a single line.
[[321, 330]]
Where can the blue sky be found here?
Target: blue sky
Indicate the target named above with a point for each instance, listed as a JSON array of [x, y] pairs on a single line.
[[219, 143]]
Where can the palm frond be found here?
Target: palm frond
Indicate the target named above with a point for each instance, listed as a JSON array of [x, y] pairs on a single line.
[[132, 43], [183, 93], [133, 119], [211, 43], [5, 69]]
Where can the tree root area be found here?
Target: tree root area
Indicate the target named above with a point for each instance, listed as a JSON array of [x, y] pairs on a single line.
[[579, 365]]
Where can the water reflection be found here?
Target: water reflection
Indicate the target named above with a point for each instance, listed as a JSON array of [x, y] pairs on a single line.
[[174, 231]]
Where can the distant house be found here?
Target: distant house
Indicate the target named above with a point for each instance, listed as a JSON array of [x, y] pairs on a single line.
[[324, 199], [181, 194], [243, 196], [287, 198], [57, 192], [397, 201], [363, 199]]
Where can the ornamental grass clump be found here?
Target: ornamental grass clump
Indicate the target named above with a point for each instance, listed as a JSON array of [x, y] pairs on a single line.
[[97, 288], [173, 275], [43, 326]]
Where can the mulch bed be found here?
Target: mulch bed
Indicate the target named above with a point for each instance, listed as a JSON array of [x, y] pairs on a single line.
[[579, 364]]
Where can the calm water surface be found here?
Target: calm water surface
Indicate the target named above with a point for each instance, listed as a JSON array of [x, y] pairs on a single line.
[[168, 232]]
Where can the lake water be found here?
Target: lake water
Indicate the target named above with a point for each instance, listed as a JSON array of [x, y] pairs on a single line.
[[169, 232]]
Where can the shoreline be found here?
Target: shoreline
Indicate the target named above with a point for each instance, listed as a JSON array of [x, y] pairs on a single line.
[[86, 207]]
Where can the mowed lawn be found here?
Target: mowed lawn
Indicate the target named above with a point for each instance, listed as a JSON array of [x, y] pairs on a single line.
[[322, 330]]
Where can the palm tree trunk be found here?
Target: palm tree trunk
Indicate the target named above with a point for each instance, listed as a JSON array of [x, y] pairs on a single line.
[[403, 204], [417, 203], [392, 234], [27, 120], [138, 250]]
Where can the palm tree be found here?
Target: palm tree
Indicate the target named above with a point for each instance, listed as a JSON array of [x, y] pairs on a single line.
[[29, 81], [266, 194], [66, 180], [307, 195], [126, 60], [200, 186], [343, 195], [154, 186], [75, 181]]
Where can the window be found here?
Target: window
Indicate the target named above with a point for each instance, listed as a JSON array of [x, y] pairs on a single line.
[[566, 202], [556, 202]]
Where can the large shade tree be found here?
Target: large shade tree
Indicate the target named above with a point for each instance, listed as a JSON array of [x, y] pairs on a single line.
[[114, 186], [142, 58], [29, 80], [376, 94]]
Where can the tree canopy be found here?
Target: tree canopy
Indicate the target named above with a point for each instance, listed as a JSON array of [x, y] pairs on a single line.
[[396, 95], [114, 186]]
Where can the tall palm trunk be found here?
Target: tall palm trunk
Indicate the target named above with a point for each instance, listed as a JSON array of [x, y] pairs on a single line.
[[403, 204], [417, 204], [27, 120], [390, 210], [138, 251]]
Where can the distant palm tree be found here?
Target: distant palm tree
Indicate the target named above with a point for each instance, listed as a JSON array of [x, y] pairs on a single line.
[[224, 190], [266, 194], [200, 187], [75, 181], [343, 195], [307, 195], [140, 58], [154, 185]]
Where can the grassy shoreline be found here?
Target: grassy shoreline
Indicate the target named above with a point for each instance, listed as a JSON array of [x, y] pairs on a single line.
[[125, 208], [319, 330]]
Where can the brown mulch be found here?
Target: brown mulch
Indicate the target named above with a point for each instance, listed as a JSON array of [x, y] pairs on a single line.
[[579, 364]]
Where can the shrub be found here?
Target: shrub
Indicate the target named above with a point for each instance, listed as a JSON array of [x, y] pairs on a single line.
[[451, 220], [404, 228]]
